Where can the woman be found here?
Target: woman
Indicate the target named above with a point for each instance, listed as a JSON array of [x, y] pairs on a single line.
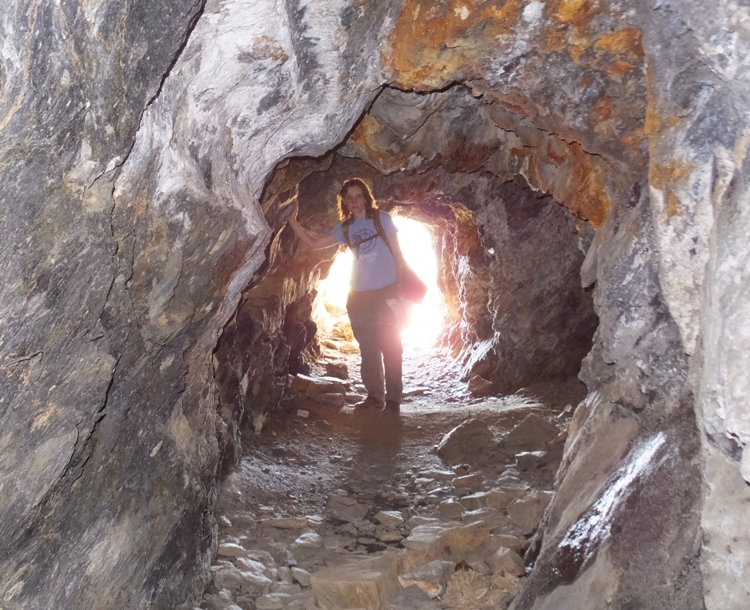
[[374, 289]]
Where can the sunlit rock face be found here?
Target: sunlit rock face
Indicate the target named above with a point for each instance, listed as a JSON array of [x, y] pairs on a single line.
[[135, 145]]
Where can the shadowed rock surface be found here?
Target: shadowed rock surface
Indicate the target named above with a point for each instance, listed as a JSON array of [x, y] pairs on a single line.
[[151, 304]]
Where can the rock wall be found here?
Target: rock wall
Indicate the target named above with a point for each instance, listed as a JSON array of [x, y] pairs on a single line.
[[125, 256], [92, 511], [135, 145], [699, 129]]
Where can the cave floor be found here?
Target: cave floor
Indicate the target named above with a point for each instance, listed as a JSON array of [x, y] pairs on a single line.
[[384, 461]]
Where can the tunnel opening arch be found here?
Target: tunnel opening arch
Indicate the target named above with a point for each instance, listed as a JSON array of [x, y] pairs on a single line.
[[440, 158]]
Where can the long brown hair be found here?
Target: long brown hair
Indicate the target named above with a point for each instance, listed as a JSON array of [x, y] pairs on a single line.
[[344, 214]]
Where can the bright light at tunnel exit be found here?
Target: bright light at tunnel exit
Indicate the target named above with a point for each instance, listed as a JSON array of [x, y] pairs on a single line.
[[427, 319]]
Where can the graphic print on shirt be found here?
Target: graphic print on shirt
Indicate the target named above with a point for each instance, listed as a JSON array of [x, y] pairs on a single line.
[[367, 247]]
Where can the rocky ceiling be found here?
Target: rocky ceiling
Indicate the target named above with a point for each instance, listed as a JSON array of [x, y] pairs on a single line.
[[148, 150]]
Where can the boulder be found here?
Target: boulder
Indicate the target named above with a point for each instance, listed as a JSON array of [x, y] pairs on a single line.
[[390, 518], [231, 549], [465, 441], [450, 509], [337, 369], [527, 512], [253, 582], [506, 561], [310, 386], [431, 577], [364, 584], [452, 542], [345, 508], [532, 434]]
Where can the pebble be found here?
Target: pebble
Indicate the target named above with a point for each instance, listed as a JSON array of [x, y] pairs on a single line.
[[390, 518], [311, 540]]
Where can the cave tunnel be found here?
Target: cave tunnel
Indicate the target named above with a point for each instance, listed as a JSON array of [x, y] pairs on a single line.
[[582, 167]]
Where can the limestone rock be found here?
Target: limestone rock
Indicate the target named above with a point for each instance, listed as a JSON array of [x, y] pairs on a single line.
[[501, 498], [430, 577], [474, 479], [390, 518], [301, 576], [365, 584], [241, 581], [527, 512], [506, 562], [532, 434], [346, 508], [450, 509], [467, 589], [465, 441], [310, 386], [508, 583], [310, 540], [456, 542], [284, 522], [512, 542], [492, 517], [479, 386], [245, 564], [337, 369], [411, 598], [475, 501], [231, 549]]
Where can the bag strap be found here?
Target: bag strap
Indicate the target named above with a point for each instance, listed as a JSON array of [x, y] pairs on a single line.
[[378, 227]]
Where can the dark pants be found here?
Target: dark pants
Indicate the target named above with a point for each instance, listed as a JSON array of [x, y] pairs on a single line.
[[376, 330]]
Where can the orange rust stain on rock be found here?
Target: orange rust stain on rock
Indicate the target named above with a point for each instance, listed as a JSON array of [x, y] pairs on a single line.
[[554, 39], [618, 69], [603, 109], [576, 12], [586, 196], [432, 43], [500, 20], [655, 122], [363, 136], [634, 138], [556, 152], [666, 178], [566, 10], [626, 41]]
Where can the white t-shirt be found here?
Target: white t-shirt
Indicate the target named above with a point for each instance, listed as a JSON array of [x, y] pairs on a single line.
[[374, 266]]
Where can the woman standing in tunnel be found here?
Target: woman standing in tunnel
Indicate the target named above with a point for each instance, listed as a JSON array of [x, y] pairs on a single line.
[[374, 289]]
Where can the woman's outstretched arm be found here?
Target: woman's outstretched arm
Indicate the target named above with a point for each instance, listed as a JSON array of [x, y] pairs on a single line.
[[316, 243]]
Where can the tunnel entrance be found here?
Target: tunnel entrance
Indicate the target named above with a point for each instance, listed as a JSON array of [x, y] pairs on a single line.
[[509, 253]]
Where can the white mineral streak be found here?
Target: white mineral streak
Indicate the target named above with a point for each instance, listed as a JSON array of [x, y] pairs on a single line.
[[725, 387], [683, 247], [533, 11], [589, 532], [726, 50]]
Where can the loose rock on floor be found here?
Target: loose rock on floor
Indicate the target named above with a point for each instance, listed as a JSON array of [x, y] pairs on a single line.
[[336, 509]]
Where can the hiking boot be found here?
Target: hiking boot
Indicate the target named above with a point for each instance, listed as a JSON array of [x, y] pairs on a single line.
[[392, 406], [369, 403]]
